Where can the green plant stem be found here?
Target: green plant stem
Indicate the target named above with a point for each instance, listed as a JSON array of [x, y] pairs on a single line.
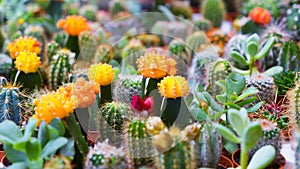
[[143, 87], [152, 85], [171, 111], [244, 159], [72, 44], [105, 94]]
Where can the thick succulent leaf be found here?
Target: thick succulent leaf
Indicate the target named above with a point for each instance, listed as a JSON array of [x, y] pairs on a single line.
[[265, 50], [249, 91], [255, 107], [52, 146], [9, 132], [58, 125], [251, 136], [252, 49], [227, 133], [262, 157], [33, 149], [273, 71], [236, 121], [254, 38], [239, 58], [235, 83]]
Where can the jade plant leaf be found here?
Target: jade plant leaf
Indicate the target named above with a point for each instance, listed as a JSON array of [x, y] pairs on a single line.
[[18, 165], [58, 125], [53, 145], [255, 107], [237, 121], [249, 91], [265, 50], [273, 71], [251, 135], [254, 38], [262, 157], [227, 133], [9, 132], [235, 83], [252, 49], [33, 149], [14, 155], [239, 58], [68, 150]]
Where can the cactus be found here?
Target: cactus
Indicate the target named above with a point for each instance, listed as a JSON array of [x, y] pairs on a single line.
[[181, 9], [5, 65], [293, 96], [61, 38], [12, 103], [292, 20], [139, 143], [174, 153], [203, 25], [132, 52], [214, 10], [177, 47], [126, 87], [208, 148], [219, 38], [284, 81], [116, 6], [265, 85], [289, 57], [111, 119], [195, 41], [51, 49], [58, 162], [104, 155], [89, 12], [149, 40], [60, 67], [87, 45], [199, 69], [271, 136], [219, 71], [297, 151], [104, 53], [175, 29]]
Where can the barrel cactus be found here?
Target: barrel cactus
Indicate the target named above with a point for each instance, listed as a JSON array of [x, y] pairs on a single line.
[[111, 120], [214, 10], [60, 67], [196, 41], [51, 49], [139, 143], [87, 44], [178, 48], [104, 53], [89, 12], [203, 25], [12, 103], [181, 9]]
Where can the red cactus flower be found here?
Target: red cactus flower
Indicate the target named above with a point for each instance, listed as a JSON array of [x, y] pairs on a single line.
[[140, 104]]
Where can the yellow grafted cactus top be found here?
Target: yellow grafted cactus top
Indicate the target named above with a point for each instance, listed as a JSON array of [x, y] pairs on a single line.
[[52, 105], [173, 87], [156, 65], [74, 25], [26, 43], [27, 62], [101, 73]]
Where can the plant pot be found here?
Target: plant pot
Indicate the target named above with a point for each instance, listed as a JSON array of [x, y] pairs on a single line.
[[225, 163], [5, 161], [278, 163], [93, 136]]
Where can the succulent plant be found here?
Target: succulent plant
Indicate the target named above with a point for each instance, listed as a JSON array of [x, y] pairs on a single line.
[[219, 38], [265, 86], [181, 9], [293, 96], [126, 87], [61, 38], [88, 45], [271, 136], [12, 103], [5, 65], [247, 134], [131, 52], [60, 67], [289, 57], [202, 25], [139, 143], [178, 48], [208, 147], [51, 49], [111, 120], [105, 155], [89, 12], [149, 40], [284, 81], [104, 53], [196, 40], [39, 33], [214, 10], [292, 20], [58, 162], [218, 70], [116, 6]]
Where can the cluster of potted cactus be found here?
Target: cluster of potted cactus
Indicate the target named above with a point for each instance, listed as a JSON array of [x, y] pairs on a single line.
[[122, 88]]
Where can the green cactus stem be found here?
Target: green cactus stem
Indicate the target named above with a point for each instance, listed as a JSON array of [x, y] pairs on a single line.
[[214, 10], [73, 45], [21, 78], [289, 57], [105, 94], [171, 111]]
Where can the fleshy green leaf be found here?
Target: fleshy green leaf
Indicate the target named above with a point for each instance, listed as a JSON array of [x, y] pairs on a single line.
[[239, 58], [58, 125], [273, 71], [252, 49], [30, 127], [247, 101], [14, 155], [33, 149], [262, 157], [265, 50], [255, 107], [53, 145], [9, 132], [235, 83], [236, 121], [251, 135], [249, 91], [226, 133], [68, 150], [254, 38], [18, 165]]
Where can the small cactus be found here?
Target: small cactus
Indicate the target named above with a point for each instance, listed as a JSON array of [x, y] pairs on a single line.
[[116, 6], [132, 51], [208, 147], [196, 41], [51, 49], [178, 48], [219, 71], [181, 9], [294, 104], [12, 103], [60, 67], [289, 57], [104, 54], [214, 10], [89, 12], [203, 24], [111, 120], [126, 87], [87, 45], [219, 38], [139, 143], [59, 162]]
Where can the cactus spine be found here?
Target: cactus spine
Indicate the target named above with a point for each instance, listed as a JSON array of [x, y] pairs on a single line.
[[139, 143], [87, 45], [126, 87], [11, 103], [51, 49], [219, 71], [289, 57], [196, 40], [294, 97], [208, 148], [112, 118], [60, 67], [214, 10]]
